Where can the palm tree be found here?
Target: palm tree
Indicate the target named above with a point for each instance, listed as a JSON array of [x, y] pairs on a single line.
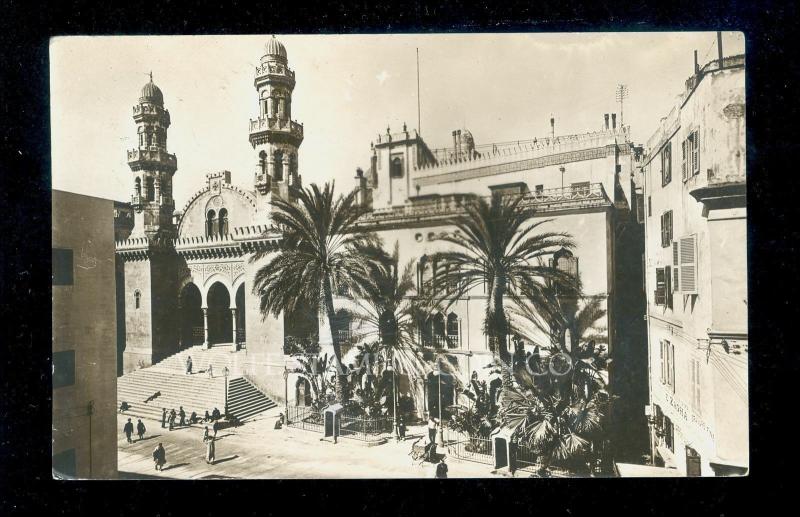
[[389, 304], [498, 243], [321, 249], [558, 429], [313, 369]]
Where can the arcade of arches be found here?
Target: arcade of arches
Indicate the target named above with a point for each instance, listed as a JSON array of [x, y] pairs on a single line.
[[220, 321]]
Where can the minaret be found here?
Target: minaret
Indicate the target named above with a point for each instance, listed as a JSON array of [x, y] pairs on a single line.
[[275, 137], [152, 167]]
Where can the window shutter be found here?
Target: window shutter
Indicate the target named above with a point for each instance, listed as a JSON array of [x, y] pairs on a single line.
[[663, 228], [688, 264], [695, 152], [662, 363], [660, 287], [669, 228], [684, 165]]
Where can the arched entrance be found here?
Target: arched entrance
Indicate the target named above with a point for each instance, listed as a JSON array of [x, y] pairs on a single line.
[[219, 314], [240, 315], [440, 382], [302, 392], [191, 316]]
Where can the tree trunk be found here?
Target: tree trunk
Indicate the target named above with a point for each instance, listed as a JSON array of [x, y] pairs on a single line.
[[341, 378], [498, 328]]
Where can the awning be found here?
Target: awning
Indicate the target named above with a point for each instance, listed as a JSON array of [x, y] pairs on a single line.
[[667, 456], [632, 470]]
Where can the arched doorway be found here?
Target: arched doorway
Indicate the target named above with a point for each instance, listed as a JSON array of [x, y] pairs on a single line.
[[440, 382], [219, 314], [240, 316], [302, 392], [191, 314]]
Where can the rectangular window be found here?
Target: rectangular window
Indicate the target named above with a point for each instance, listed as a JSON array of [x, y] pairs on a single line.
[[668, 364], [639, 208], [661, 288], [684, 160], [64, 464], [669, 432], [694, 138], [694, 374], [666, 229], [666, 164], [62, 266], [649, 207], [668, 286], [687, 254], [63, 369], [539, 190]]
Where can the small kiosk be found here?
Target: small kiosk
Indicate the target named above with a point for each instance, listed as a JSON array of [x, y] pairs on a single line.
[[332, 420], [504, 449]]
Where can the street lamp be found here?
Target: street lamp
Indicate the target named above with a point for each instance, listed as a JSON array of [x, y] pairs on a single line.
[[438, 373], [286, 391], [390, 369], [225, 373]]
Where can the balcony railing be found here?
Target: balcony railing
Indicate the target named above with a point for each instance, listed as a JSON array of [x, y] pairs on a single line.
[[275, 69], [546, 200], [152, 154], [276, 124]]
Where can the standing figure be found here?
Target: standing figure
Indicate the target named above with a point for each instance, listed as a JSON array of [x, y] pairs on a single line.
[[210, 450], [140, 429], [188, 365], [205, 434], [441, 470], [128, 430], [432, 423], [159, 457], [163, 417], [401, 429], [211, 371], [171, 419], [182, 415]]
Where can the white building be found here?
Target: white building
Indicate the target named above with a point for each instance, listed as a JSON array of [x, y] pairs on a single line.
[[694, 184]]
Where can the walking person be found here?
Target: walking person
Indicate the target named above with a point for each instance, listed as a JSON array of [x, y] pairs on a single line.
[[171, 419], [182, 415], [128, 430], [163, 417], [441, 470], [433, 422], [210, 450], [188, 365], [159, 457], [140, 429], [207, 418], [401, 429], [205, 435], [210, 371]]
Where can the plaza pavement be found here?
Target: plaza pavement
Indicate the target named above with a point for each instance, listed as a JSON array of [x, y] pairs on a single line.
[[258, 451]]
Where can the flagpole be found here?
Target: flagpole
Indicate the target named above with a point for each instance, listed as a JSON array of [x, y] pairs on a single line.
[[419, 119]]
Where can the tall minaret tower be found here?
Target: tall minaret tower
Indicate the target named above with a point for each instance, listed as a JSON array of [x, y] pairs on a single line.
[[152, 167], [275, 137]]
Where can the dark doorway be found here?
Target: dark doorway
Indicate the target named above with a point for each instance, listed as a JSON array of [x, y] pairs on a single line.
[[220, 329], [444, 382], [191, 314], [240, 316]]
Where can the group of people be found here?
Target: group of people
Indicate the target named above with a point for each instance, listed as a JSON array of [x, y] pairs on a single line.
[[180, 416], [209, 370], [128, 430]]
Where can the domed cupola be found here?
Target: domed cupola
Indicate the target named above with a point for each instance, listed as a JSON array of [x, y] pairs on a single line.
[[151, 93], [274, 51]]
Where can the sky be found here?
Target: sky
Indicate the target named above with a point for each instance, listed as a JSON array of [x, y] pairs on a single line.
[[502, 87]]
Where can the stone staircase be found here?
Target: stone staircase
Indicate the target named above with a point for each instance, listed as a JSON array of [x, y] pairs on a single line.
[[196, 392]]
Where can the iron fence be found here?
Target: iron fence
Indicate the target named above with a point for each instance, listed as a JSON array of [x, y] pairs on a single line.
[[362, 427], [529, 461], [302, 417], [470, 448]]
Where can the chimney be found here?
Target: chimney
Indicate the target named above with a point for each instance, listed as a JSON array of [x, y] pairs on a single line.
[[613, 121], [606, 117], [719, 48], [552, 127], [458, 150]]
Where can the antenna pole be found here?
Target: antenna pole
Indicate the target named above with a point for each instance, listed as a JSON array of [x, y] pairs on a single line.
[[419, 119], [622, 93]]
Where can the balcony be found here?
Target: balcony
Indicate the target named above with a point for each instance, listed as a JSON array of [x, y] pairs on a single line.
[[274, 69], [546, 200], [262, 124], [152, 155]]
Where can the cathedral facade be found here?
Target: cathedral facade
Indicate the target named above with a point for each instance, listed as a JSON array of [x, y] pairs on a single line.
[[186, 275]]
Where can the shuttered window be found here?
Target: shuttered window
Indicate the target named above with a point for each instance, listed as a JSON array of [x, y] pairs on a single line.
[[668, 364], [666, 229], [666, 164], [684, 161], [688, 264], [694, 138], [668, 287], [675, 267], [690, 155], [694, 372], [661, 288]]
